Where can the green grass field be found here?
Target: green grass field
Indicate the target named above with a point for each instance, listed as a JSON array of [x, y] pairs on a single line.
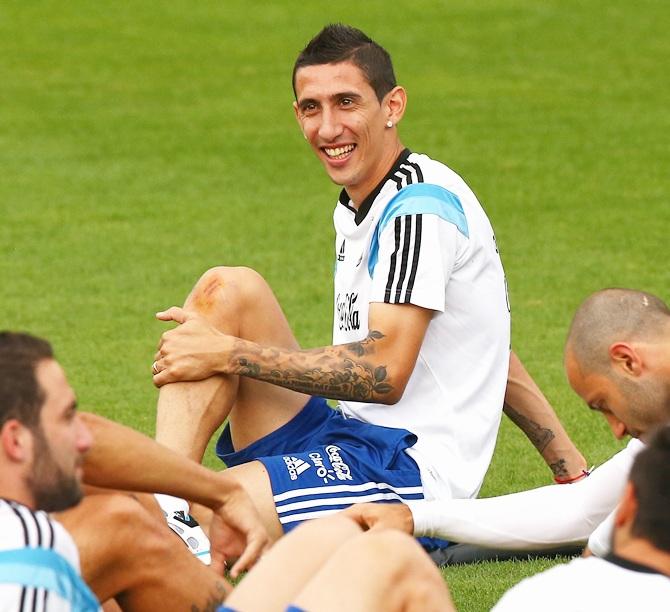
[[142, 142]]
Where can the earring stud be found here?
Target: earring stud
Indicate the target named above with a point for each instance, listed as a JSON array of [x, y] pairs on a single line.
[[389, 124]]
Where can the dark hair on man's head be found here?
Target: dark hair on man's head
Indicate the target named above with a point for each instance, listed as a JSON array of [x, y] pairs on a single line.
[[338, 43], [21, 396], [650, 477]]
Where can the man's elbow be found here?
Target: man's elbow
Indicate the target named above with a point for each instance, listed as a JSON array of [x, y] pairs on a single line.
[[94, 422], [388, 400], [390, 392]]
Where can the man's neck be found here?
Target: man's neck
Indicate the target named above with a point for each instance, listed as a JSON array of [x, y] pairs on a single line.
[[13, 487], [643, 552], [358, 193]]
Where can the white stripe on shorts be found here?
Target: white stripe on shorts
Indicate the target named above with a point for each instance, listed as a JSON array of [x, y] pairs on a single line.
[[335, 501], [347, 489], [307, 516]]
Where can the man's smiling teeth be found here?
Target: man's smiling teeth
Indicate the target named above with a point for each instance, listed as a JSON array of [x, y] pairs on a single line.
[[338, 152]]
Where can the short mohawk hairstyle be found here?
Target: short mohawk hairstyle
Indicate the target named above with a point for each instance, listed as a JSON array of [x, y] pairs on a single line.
[[342, 43]]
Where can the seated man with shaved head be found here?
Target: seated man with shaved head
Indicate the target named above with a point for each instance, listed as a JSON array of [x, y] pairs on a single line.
[[617, 358]]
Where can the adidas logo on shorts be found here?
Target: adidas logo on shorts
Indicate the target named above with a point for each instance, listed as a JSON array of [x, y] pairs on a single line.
[[295, 466]]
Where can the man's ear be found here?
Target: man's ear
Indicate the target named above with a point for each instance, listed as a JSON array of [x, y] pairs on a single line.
[[16, 441], [625, 359], [394, 103], [627, 509], [296, 112]]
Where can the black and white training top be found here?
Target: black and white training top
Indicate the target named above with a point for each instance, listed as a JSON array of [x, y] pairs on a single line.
[[39, 564], [422, 238]]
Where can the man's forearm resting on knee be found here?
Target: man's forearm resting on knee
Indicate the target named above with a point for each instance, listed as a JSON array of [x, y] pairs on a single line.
[[122, 458], [375, 369]]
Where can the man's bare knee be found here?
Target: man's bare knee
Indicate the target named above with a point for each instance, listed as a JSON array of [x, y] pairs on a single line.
[[140, 538], [137, 534], [390, 546], [133, 555], [119, 542], [407, 562], [238, 301], [400, 554], [221, 292]]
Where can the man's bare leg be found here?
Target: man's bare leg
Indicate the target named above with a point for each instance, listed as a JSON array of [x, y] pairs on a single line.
[[334, 566], [282, 573], [127, 554], [380, 570], [239, 302], [255, 479]]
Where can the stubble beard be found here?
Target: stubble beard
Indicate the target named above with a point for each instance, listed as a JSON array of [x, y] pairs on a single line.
[[52, 489], [649, 401]]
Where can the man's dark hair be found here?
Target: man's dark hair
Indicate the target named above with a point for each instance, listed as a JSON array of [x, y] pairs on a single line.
[[21, 396], [342, 43], [650, 477]]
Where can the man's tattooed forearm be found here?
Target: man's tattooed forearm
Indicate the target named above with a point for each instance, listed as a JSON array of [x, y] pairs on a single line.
[[336, 375], [351, 381], [364, 347], [539, 436]]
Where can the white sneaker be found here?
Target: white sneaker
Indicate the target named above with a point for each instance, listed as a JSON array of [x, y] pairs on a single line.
[[185, 526], [188, 529]]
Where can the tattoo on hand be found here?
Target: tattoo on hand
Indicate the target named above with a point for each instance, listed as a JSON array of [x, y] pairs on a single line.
[[341, 374], [213, 601], [559, 468], [539, 436]]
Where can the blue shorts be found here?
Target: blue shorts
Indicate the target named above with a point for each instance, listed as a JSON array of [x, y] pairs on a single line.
[[320, 462]]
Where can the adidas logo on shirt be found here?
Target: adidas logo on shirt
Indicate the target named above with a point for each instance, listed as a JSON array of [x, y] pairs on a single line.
[[340, 255], [295, 467]]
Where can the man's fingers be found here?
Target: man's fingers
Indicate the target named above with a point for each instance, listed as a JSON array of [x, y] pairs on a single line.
[[382, 516], [162, 378], [179, 315], [378, 526], [358, 513], [255, 548], [218, 563], [244, 563]]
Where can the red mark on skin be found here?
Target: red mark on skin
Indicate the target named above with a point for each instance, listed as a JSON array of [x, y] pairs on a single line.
[[205, 296]]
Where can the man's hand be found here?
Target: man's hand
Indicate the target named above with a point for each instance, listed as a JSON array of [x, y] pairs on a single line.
[[236, 532], [391, 516], [192, 351]]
